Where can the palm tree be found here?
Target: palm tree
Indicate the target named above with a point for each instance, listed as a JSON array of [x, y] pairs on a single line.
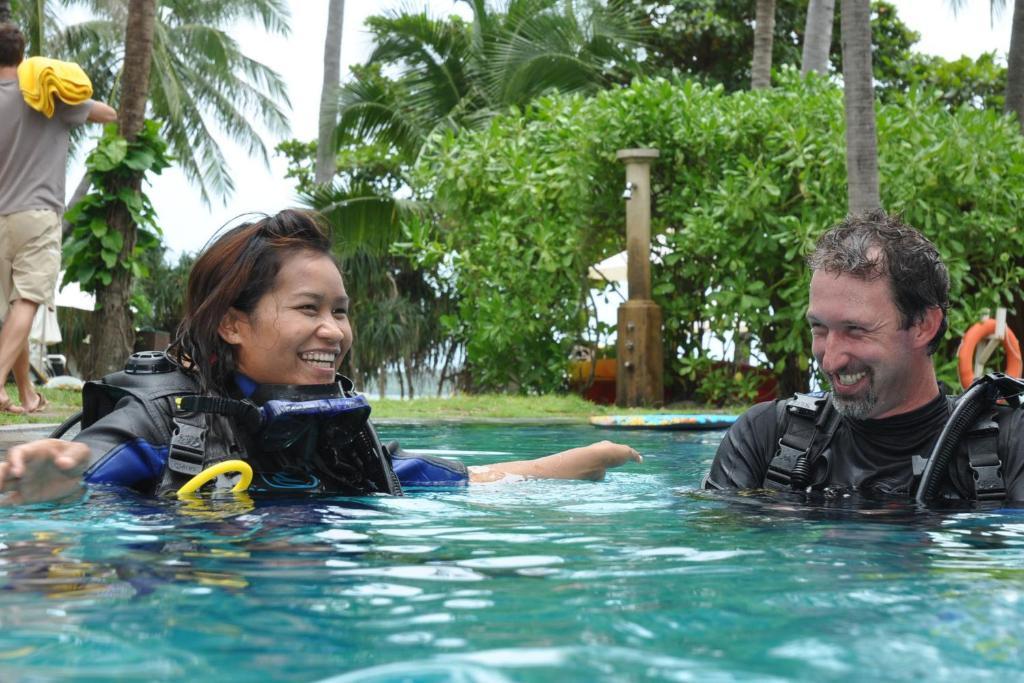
[[113, 335], [818, 36], [454, 74], [34, 16], [325, 153], [206, 81], [859, 104], [764, 31], [1015, 65], [1014, 101]]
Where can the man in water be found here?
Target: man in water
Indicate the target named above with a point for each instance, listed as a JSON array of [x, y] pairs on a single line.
[[878, 300], [33, 157]]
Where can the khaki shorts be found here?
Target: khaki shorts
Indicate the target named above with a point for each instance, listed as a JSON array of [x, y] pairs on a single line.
[[29, 257]]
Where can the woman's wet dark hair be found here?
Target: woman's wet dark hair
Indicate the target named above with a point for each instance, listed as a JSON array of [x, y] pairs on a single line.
[[235, 270], [874, 244]]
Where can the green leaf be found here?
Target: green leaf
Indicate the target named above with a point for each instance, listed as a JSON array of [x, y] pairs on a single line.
[[108, 154], [140, 160], [113, 241]]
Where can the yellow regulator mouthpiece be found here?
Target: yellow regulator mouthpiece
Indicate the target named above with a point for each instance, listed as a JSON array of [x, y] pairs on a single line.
[[210, 473]]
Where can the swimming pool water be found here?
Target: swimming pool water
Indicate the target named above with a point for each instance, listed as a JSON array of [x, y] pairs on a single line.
[[639, 577]]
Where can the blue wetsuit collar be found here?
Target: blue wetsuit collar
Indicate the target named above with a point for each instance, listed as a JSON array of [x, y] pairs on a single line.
[[246, 385]]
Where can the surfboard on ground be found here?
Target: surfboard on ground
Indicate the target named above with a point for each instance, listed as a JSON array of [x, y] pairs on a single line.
[[667, 421]]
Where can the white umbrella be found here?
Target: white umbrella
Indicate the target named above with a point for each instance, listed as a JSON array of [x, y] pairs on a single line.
[[72, 296], [612, 268]]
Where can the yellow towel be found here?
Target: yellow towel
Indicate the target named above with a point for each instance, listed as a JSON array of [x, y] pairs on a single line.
[[40, 78]]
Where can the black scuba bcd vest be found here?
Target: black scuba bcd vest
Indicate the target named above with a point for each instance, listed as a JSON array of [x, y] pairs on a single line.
[[807, 423], [202, 430]]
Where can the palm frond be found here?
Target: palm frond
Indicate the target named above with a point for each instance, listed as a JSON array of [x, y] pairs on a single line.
[[360, 218], [373, 110], [202, 79]]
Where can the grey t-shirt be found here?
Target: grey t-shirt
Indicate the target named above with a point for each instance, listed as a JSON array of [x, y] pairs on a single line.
[[34, 151]]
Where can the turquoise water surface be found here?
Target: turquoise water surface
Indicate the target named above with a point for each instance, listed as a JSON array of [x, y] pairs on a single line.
[[640, 577]]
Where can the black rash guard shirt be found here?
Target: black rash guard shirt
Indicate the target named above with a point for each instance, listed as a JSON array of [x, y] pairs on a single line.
[[872, 456]]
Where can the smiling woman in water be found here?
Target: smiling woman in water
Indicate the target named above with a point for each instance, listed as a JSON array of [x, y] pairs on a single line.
[[251, 377]]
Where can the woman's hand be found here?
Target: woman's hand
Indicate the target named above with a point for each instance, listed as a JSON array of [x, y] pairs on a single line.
[[587, 462], [39, 471]]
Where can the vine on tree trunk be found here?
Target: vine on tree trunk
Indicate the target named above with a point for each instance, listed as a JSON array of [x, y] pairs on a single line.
[[93, 253]]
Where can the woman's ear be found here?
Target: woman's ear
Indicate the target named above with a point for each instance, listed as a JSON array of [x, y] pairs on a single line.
[[230, 326]]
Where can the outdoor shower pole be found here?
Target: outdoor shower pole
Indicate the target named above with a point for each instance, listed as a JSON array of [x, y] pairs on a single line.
[[639, 380]]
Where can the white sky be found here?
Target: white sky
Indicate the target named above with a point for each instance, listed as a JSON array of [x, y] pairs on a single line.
[[188, 224]]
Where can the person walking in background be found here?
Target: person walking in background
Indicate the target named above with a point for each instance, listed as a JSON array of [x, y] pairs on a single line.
[[33, 160]]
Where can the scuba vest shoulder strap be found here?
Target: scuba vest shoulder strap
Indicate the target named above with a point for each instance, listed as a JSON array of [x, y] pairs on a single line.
[[981, 442], [807, 424], [369, 440], [186, 453]]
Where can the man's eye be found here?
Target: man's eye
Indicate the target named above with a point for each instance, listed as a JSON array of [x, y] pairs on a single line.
[[340, 312]]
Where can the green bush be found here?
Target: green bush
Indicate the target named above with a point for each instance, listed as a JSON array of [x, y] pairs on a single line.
[[744, 185]]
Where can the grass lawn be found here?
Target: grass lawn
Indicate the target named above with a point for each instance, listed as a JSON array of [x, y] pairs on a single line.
[[63, 403]]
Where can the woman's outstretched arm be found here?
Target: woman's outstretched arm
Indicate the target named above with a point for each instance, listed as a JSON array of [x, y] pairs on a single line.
[[587, 462]]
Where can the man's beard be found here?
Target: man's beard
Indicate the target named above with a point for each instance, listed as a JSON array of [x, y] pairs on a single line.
[[856, 407]]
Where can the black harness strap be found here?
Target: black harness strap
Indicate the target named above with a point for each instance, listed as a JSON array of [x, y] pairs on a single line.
[[186, 454], [247, 412], [807, 423], [983, 459]]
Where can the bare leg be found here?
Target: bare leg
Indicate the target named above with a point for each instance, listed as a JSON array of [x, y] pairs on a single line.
[[13, 343], [23, 378]]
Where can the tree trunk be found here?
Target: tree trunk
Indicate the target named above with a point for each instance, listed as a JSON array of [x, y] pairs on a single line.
[[1015, 65], [113, 333], [859, 103], [818, 36], [382, 381], [36, 27], [5, 11], [449, 354], [325, 147], [764, 31], [408, 377]]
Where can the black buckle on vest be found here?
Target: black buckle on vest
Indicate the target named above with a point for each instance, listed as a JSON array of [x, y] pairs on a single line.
[[984, 463], [781, 466], [187, 449], [805, 405]]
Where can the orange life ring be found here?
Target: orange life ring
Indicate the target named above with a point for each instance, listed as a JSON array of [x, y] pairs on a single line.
[[977, 332]]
